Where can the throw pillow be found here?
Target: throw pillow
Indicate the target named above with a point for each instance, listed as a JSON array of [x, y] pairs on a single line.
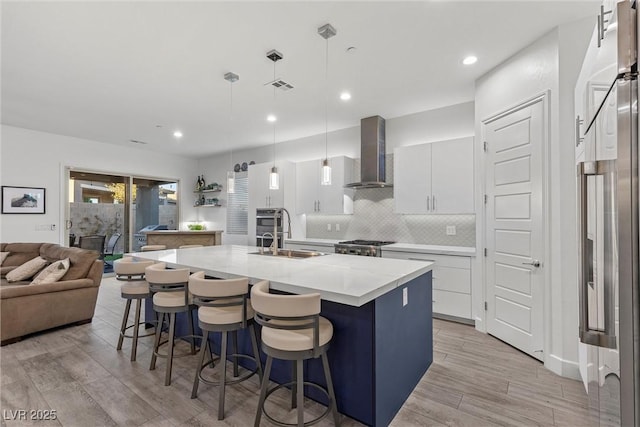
[[26, 270], [3, 256], [52, 273]]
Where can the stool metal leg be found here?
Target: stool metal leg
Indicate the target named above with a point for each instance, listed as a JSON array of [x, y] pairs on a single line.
[[300, 393], [223, 374], [123, 328], [332, 394], [203, 351], [191, 331], [234, 337], [294, 383], [263, 390], [256, 352], [156, 343], [172, 333], [136, 326]]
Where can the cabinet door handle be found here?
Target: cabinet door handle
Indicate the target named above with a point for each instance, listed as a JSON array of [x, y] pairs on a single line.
[[318, 205], [434, 203]]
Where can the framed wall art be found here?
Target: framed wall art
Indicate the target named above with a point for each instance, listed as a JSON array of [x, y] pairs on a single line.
[[23, 200]]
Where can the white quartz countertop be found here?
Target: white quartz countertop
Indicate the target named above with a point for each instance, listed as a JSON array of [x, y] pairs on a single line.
[[345, 279], [430, 249]]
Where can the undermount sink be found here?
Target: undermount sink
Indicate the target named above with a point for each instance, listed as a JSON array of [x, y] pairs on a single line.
[[288, 253]]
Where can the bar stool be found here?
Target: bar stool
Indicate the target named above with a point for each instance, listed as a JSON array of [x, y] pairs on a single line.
[[147, 248], [136, 288], [224, 308], [170, 296], [292, 329]]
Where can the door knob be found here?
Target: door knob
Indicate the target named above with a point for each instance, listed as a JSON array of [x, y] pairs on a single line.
[[534, 263]]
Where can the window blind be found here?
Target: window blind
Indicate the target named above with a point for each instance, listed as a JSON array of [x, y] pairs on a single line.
[[238, 206]]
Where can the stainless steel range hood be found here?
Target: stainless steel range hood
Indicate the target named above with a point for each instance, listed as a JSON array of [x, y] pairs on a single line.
[[372, 154]]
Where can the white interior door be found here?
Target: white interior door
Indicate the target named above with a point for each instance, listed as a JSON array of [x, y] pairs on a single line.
[[514, 227]]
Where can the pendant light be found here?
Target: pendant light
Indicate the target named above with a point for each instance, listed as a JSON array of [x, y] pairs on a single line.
[[326, 32], [231, 175], [274, 177]]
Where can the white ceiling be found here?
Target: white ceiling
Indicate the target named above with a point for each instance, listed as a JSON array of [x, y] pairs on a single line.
[[114, 71]]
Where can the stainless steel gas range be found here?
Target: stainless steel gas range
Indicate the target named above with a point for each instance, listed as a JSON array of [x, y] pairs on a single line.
[[361, 247]]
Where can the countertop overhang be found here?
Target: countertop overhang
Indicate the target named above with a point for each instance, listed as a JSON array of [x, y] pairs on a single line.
[[344, 279]]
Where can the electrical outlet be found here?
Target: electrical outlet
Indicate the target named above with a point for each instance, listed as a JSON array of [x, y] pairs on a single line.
[[405, 296], [451, 230], [53, 227], [337, 227], [328, 227]]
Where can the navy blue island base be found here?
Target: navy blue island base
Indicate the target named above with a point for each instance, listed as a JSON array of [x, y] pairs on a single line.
[[378, 354]]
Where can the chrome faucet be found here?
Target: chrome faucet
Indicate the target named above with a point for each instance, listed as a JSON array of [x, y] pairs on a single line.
[[278, 215], [288, 223]]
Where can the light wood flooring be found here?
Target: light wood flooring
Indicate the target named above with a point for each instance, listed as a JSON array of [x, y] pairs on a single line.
[[475, 380]]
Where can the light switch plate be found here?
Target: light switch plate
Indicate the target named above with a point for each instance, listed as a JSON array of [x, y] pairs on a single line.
[[451, 230], [337, 226], [328, 227]]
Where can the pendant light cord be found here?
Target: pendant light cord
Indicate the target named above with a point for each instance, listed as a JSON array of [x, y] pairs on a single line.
[[231, 119], [274, 112], [326, 102]]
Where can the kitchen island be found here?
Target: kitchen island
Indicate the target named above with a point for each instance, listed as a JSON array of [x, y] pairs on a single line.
[[380, 310]]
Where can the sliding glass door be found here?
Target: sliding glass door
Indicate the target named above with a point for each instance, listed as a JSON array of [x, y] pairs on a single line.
[[119, 208]]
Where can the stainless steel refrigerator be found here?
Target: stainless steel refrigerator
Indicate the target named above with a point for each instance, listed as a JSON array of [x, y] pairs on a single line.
[[607, 164]]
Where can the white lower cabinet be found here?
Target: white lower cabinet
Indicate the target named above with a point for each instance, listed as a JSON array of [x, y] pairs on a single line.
[[451, 282]]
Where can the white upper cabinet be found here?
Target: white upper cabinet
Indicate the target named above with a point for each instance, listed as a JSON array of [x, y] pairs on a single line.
[[434, 178], [412, 179], [314, 198]]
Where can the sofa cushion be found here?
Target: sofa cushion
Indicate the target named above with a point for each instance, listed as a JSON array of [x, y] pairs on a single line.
[[3, 256], [26, 270], [5, 269], [19, 253], [52, 273], [80, 260]]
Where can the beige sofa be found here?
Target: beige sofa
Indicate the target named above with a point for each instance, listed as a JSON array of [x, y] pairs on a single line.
[[26, 308]]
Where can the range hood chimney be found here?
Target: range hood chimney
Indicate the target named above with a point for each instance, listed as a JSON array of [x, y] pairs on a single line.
[[372, 154]]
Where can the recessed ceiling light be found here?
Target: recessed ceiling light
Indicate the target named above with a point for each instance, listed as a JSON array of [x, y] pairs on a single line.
[[345, 96], [469, 60], [177, 134], [271, 118]]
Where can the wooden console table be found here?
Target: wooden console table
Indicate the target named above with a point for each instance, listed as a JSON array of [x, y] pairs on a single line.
[[172, 239]]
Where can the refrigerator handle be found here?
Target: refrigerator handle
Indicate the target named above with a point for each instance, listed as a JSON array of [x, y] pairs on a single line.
[[601, 338]]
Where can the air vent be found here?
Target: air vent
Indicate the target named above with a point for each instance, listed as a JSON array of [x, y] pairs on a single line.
[[280, 84], [135, 141]]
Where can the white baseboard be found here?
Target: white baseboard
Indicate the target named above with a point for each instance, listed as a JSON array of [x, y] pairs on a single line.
[[564, 368]]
